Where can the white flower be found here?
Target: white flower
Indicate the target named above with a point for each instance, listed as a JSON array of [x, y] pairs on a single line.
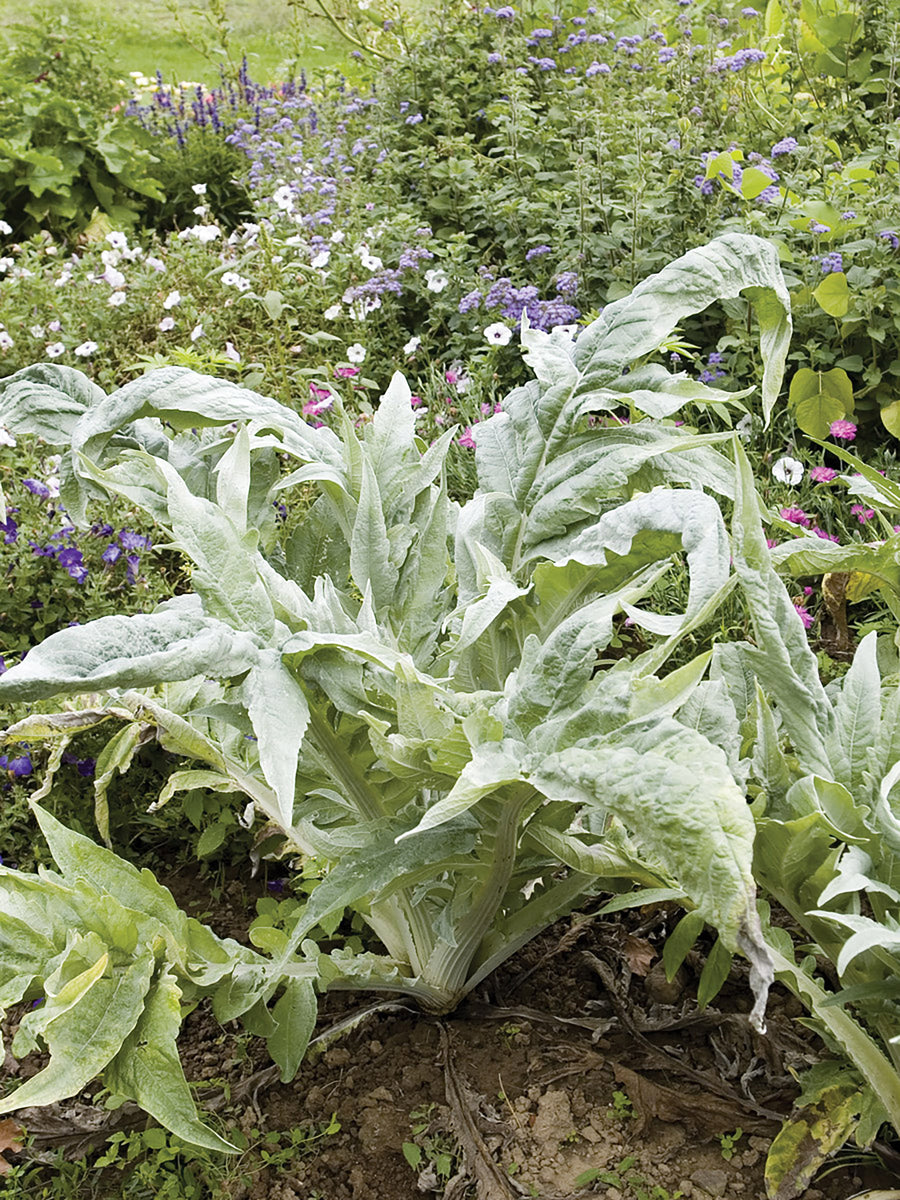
[[283, 198], [436, 279], [788, 470], [230, 352], [6, 341], [356, 353], [744, 427], [166, 324], [337, 237], [232, 279], [498, 334], [196, 332], [199, 189], [114, 278], [332, 313], [364, 4], [116, 299], [86, 349], [568, 330], [371, 262], [52, 483], [173, 298], [201, 210], [110, 258], [117, 240], [6, 263], [63, 279], [6, 438], [36, 331], [321, 259], [203, 233], [412, 345], [156, 263], [55, 349], [5, 229]]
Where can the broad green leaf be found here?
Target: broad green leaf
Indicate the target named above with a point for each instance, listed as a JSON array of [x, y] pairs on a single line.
[[370, 547], [733, 263], [233, 480], [493, 765], [147, 1069], [84, 1039], [46, 401], [820, 397], [833, 295], [295, 1016], [785, 665], [138, 651], [858, 715], [280, 714]]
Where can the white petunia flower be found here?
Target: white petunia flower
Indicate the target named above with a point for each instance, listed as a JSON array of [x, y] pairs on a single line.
[[37, 331], [117, 240], [498, 334], [744, 427], [85, 350], [412, 345], [337, 237], [55, 349], [196, 332], [283, 198], [6, 438], [116, 299], [788, 470], [6, 341], [5, 228], [356, 353], [321, 260], [199, 189], [332, 313], [436, 279], [114, 278], [371, 262], [230, 352], [166, 324], [156, 263], [173, 298]]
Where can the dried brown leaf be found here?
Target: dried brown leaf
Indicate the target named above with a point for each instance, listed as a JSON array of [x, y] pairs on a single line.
[[11, 1136]]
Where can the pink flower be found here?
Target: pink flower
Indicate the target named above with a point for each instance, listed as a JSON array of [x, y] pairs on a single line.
[[829, 537], [804, 615], [862, 513], [465, 439], [771, 543], [319, 393], [844, 431], [346, 372], [415, 401], [823, 474], [451, 377], [796, 516]]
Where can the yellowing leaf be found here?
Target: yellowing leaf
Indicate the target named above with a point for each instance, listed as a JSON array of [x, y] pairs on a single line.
[[833, 294]]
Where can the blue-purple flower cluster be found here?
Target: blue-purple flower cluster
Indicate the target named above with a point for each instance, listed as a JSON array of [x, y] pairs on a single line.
[[512, 301]]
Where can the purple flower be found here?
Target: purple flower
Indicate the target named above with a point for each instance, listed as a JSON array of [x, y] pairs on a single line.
[[3, 667], [749, 13], [19, 767], [9, 529], [37, 488], [831, 262], [506, 13], [567, 283], [822, 474], [465, 439], [849, 215], [129, 540], [786, 146], [862, 513], [890, 236], [844, 431], [597, 68], [536, 252], [111, 553], [493, 57], [796, 516], [86, 767], [804, 615]]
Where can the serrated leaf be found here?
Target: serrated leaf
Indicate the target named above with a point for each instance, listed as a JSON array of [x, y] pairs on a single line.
[[147, 1069], [295, 1015], [138, 651]]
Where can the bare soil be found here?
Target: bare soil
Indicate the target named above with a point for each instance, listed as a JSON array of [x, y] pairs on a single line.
[[576, 1071]]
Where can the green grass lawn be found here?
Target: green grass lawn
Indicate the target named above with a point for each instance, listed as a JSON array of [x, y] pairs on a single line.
[[143, 35]]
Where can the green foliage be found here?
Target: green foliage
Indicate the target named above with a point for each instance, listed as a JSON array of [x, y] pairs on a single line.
[[64, 153], [411, 691]]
